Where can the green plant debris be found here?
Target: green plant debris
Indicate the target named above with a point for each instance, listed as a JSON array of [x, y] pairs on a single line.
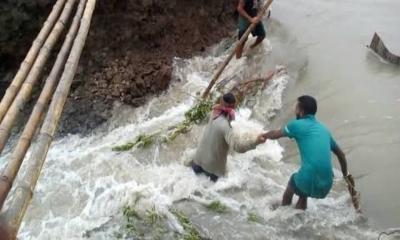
[[199, 112], [130, 213], [144, 140], [152, 217], [181, 128], [195, 115], [153, 225], [122, 148], [217, 207], [139, 224], [141, 141], [191, 233], [131, 216], [253, 217]]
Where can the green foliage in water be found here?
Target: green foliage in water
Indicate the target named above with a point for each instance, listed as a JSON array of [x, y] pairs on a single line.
[[195, 115], [217, 207], [200, 112], [131, 215], [181, 128], [191, 232], [138, 225], [253, 217], [125, 147], [153, 225], [142, 141], [152, 217]]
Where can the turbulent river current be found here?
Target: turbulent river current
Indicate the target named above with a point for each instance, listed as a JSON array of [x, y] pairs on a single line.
[[84, 185]]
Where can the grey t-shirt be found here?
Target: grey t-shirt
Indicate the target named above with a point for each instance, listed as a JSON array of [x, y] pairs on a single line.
[[213, 149]]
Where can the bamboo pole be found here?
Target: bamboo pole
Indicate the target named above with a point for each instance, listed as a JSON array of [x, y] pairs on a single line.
[[29, 59], [26, 89], [229, 58], [15, 161], [23, 194]]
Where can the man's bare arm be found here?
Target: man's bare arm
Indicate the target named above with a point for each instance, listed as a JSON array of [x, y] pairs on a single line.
[[240, 9], [274, 134], [342, 160]]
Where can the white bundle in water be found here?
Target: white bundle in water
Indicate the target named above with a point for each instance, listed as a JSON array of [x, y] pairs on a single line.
[[245, 130]]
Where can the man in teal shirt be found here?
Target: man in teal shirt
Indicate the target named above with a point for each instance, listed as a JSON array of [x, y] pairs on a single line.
[[315, 176]]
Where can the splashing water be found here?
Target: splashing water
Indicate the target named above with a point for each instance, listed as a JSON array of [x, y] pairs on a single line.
[[84, 185]]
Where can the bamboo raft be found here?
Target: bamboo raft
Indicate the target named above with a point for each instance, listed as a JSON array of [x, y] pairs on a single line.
[[379, 47]]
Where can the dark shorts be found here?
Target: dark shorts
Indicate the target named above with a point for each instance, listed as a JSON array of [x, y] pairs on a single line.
[[258, 31], [296, 190], [199, 170]]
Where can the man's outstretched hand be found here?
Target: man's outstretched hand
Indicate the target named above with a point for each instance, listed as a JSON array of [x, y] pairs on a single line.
[[261, 138]]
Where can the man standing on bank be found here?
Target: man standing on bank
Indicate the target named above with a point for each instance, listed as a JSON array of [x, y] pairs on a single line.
[[248, 10], [315, 142]]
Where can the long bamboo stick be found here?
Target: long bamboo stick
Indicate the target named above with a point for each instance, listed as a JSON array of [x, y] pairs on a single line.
[[229, 58], [15, 161], [24, 193], [26, 89], [29, 59]]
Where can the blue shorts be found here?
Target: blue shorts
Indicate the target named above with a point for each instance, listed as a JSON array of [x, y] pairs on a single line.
[[258, 31]]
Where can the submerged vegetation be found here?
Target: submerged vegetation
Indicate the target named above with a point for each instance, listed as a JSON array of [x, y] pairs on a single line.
[[142, 141], [138, 224], [191, 233], [150, 223], [195, 115], [254, 217], [152, 217], [217, 207]]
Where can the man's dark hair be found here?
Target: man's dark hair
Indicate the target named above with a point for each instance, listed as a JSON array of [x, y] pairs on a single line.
[[307, 104], [229, 98]]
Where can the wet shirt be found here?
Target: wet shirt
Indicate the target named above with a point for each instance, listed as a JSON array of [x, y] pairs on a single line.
[[315, 176], [218, 137]]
